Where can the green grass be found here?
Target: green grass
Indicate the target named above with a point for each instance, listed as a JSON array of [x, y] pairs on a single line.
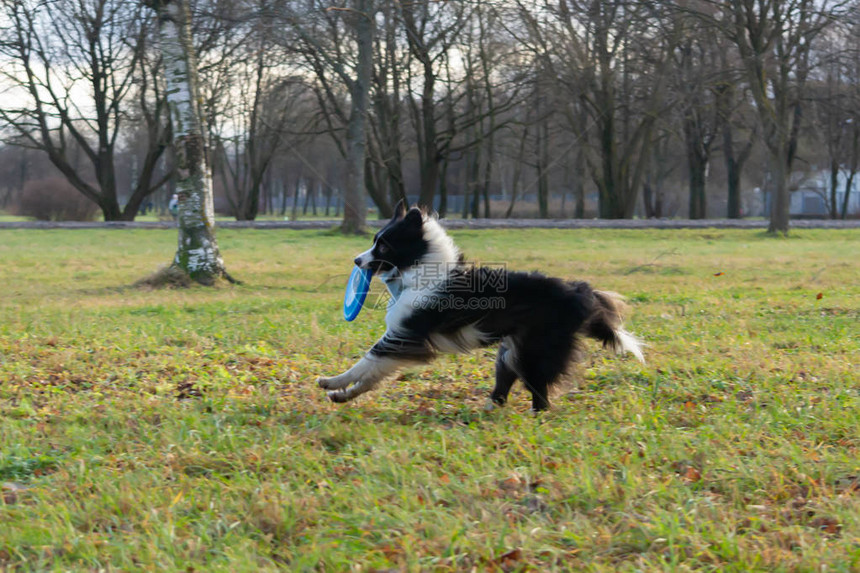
[[182, 430]]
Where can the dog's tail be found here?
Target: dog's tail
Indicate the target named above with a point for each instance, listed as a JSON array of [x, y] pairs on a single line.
[[605, 325]]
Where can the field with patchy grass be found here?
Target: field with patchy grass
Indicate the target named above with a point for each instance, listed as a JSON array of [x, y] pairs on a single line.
[[182, 430]]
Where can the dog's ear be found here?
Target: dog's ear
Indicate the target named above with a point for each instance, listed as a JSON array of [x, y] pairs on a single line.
[[414, 216], [399, 210]]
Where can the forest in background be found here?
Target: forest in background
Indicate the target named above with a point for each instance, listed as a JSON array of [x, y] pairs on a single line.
[[500, 108]]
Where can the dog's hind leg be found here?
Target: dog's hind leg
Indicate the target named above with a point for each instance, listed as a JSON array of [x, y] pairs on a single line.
[[505, 376], [541, 360], [539, 387]]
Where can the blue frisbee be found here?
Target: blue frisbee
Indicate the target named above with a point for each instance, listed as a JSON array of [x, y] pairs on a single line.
[[357, 288]]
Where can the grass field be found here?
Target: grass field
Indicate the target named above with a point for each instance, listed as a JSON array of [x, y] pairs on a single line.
[[182, 430]]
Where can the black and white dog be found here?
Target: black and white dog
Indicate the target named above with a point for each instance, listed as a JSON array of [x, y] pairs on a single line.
[[441, 304]]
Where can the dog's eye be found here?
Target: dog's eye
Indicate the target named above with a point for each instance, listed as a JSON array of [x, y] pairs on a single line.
[[383, 249]]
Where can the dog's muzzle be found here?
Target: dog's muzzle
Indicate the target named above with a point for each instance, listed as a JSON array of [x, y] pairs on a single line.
[[363, 260]]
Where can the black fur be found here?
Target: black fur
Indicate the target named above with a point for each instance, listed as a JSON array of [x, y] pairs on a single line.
[[538, 316]]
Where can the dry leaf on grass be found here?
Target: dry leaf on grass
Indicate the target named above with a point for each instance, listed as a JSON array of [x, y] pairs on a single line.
[[828, 525], [687, 471], [508, 560]]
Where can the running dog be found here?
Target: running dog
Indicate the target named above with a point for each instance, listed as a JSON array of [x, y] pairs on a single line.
[[440, 304]]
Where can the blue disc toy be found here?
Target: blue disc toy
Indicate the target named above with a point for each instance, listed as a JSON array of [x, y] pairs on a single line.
[[357, 288]]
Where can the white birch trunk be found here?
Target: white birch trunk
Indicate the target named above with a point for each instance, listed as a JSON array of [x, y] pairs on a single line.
[[197, 253]]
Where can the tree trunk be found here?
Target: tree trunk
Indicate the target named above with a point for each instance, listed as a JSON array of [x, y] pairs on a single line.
[[443, 188], [464, 211], [314, 199], [852, 169], [734, 168], [698, 199], [543, 168], [648, 199], [252, 199], [733, 176], [515, 183], [197, 254], [430, 156], [518, 171], [375, 181], [578, 184], [295, 212], [354, 207], [283, 210], [849, 184], [780, 198], [474, 182], [608, 207], [834, 183]]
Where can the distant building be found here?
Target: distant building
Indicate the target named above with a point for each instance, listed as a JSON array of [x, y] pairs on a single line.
[[813, 192]]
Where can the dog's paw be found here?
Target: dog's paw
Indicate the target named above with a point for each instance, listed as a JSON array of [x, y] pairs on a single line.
[[337, 397], [324, 382]]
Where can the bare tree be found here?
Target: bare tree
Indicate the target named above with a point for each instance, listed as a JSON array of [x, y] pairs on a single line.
[[658, 169], [197, 254], [732, 110], [75, 69], [253, 130], [775, 38], [613, 56], [836, 101], [337, 45], [386, 120], [697, 75], [431, 30]]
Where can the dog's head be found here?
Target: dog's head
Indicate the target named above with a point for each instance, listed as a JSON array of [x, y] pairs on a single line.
[[410, 238]]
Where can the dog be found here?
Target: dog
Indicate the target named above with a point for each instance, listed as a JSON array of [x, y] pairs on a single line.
[[440, 304]]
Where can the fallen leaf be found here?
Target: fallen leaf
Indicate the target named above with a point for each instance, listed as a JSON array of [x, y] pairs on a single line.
[[444, 479], [692, 474], [687, 471], [512, 483], [719, 274], [510, 558], [819, 296], [826, 524]]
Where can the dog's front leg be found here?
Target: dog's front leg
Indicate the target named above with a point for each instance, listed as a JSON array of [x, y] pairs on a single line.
[[392, 352], [364, 376]]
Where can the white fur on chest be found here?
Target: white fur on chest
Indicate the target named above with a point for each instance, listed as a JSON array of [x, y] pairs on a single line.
[[416, 293]]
